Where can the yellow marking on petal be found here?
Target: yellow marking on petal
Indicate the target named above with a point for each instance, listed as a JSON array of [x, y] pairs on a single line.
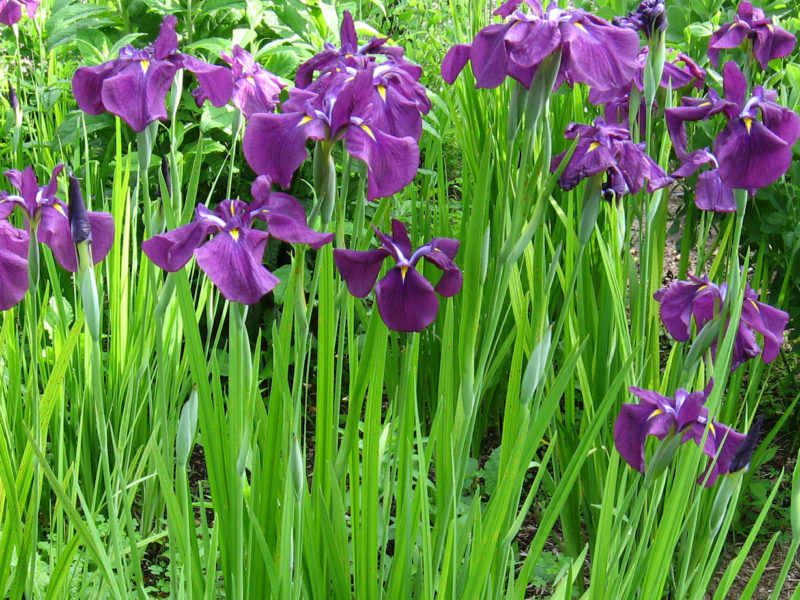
[[753, 302], [145, 65], [60, 209], [593, 146], [403, 271], [235, 234], [304, 120], [748, 122], [706, 103], [655, 413], [769, 27], [582, 28], [369, 132], [233, 208], [250, 79], [382, 92], [713, 430], [702, 287]]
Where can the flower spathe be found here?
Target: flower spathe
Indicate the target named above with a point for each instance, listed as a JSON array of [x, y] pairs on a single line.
[[702, 300], [684, 415], [232, 259], [406, 300], [48, 217]]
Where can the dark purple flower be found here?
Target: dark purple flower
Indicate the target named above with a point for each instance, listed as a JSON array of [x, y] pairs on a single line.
[[650, 17], [134, 86], [406, 300], [592, 50], [13, 264], [768, 40], [233, 257], [741, 459], [749, 153], [609, 148], [255, 89], [48, 217], [702, 300], [11, 10], [683, 415], [275, 144]]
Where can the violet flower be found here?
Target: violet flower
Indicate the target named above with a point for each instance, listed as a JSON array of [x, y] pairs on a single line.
[[233, 257], [406, 300], [609, 148], [48, 217], [650, 17], [592, 50], [768, 40], [749, 153], [275, 144], [702, 300], [134, 86], [11, 10], [684, 415], [255, 89], [13, 264]]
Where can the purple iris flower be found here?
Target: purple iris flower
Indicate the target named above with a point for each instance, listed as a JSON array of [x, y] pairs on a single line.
[[350, 54], [134, 86], [769, 41], [344, 109], [406, 300], [682, 415], [609, 148], [48, 217], [233, 257], [255, 89], [11, 10], [592, 50], [13, 264], [749, 153], [702, 300]]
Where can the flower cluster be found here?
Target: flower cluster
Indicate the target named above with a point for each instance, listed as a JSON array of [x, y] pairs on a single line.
[[768, 41], [592, 50], [47, 219], [406, 300], [375, 107], [134, 86], [749, 153], [702, 300], [233, 258], [609, 148], [684, 416]]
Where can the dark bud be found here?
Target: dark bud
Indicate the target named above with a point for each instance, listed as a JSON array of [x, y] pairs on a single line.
[[78, 217], [12, 97], [649, 17], [741, 460], [165, 173]]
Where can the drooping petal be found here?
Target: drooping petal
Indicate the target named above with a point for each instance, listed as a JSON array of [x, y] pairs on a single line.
[[454, 62], [750, 155], [632, 426], [173, 249], [137, 94], [392, 162], [13, 265], [54, 232], [726, 443], [216, 82], [769, 322], [489, 56], [529, 43], [275, 144], [293, 231], [359, 268], [441, 253], [406, 300], [232, 260], [87, 86], [772, 42], [712, 194]]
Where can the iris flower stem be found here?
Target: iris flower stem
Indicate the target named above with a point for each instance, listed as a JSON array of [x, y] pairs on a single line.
[[324, 182], [235, 130]]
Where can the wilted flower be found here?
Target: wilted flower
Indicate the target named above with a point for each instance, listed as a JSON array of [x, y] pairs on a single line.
[[768, 41], [233, 257], [255, 89], [592, 50], [11, 10], [134, 86], [406, 300], [48, 217], [702, 300], [749, 153], [741, 460], [683, 415], [275, 144], [650, 17], [609, 148]]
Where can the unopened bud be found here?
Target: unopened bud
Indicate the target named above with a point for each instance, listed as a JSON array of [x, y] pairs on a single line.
[[78, 217]]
